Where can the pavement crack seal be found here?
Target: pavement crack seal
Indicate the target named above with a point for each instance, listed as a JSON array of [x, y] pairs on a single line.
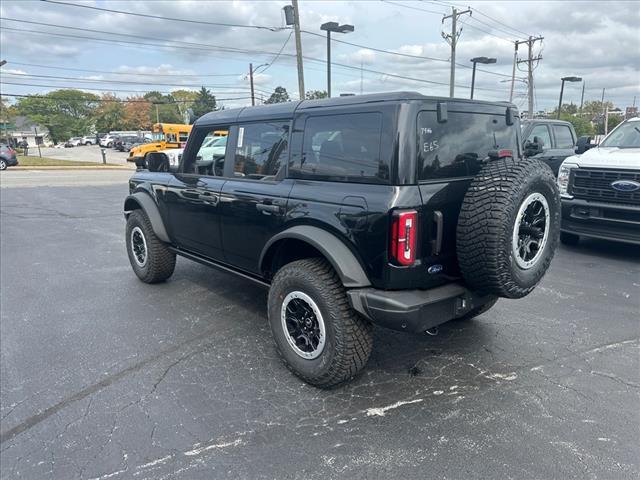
[[96, 387], [382, 411]]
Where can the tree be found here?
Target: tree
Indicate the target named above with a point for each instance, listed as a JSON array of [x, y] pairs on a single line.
[[64, 113], [163, 108], [614, 121], [110, 113], [279, 95], [185, 100], [581, 124], [595, 107], [315, 94], [137, 114], [204, 102]]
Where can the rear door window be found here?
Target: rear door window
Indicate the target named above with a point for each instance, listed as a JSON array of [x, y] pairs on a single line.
[[342, 148], [564, 137], [460, 146]]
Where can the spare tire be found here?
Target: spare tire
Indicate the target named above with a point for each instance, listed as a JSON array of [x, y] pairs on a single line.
[[508, 227]]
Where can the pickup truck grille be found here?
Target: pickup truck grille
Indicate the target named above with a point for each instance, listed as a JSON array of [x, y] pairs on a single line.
[[595, 184]]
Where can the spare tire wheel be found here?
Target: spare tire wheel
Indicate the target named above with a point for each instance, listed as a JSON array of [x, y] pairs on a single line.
[[508, 227]]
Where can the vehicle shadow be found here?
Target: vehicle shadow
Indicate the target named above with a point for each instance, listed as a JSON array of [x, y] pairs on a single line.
[[605, 249]]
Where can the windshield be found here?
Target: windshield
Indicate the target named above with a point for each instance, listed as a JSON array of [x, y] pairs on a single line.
[[158, 136], [627, 135]]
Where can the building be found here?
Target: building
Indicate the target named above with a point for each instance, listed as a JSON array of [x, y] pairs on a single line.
[[23, 129]]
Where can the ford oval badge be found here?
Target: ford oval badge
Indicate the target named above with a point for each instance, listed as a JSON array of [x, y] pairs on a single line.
[[625, 185], [437, 268]]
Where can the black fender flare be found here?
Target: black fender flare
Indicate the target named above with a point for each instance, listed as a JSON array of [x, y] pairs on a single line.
[[334, 250], [146, 203]]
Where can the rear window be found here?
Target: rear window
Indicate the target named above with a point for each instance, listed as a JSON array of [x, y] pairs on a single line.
[[342, 148], [459, 147]]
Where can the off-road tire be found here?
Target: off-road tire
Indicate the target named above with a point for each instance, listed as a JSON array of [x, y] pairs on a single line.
[[569, 238], [478, 310], [348, 340], [160, 261], [487, 221]]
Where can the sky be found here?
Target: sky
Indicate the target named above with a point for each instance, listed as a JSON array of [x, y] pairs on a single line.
[[598, 41]]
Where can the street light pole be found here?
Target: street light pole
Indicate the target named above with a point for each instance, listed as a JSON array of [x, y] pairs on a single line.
[[483, 60], [333, 27], [565, 79]]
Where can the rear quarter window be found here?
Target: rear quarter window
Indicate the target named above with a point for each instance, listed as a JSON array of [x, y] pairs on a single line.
[[460, 146]]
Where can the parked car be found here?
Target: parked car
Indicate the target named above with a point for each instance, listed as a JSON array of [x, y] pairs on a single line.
[[125, 143], [8, 157], [89, 140], [600, 189], [396, 209], [74, 142], [108, 140], [550, 141]]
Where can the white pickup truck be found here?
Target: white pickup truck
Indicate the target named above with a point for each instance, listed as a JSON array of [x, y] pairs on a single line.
[[600, 189]]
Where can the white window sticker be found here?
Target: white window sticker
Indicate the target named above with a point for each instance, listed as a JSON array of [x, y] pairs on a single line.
[[430, 146], [240, 137], [425, 130]]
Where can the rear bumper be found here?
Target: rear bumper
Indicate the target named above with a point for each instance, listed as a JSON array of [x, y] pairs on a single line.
[[415, 310], [607, 221]]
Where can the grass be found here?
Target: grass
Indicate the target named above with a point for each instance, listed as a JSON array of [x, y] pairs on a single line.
[[35, 161]]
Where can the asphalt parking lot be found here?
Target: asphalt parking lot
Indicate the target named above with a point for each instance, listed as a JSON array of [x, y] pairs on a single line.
[[103, 376], [83, 153]]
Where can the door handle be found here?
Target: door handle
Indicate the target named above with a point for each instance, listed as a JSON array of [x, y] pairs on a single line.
[[268, 209]]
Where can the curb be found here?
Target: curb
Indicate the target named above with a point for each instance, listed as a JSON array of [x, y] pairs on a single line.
[[71, 167]]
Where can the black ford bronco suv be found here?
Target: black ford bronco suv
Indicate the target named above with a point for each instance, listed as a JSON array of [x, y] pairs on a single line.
[[396, 209]]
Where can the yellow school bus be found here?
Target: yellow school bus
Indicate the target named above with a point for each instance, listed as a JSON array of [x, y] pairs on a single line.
[[165, 136]]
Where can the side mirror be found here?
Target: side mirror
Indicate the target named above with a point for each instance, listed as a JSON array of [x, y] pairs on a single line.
[[533, 148], [583, 144]]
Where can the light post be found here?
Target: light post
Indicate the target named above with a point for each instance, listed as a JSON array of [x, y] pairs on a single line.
[[565, 79], [483, 60], [333, 27]]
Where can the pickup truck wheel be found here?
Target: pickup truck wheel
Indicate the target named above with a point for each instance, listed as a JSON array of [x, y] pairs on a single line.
[[318, 335], [508, 227], [150, 258], [569, 238]]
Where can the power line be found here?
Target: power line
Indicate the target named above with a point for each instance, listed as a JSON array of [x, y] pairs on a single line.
[[278, 54], [158, 17], [123, 82], [75, 87], [119, 100], [397, 4], [125, 73]]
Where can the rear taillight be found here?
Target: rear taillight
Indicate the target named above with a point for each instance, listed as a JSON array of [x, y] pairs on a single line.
[[404, 228]]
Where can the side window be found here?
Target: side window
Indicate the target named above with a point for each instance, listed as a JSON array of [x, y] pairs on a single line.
[[542, 132], [170, 137], [261, 150], [182, 137], [564, 137], [211, 151], [343, 148]]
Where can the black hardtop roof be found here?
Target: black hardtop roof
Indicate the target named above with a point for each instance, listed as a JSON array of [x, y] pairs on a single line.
[[287, 109]]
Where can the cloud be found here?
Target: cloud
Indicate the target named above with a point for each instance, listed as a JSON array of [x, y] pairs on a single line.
[[597, 41]]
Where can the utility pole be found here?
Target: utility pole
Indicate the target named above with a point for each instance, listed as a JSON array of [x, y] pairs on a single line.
[[529, 61], [582, 97], [513, 72], [452, 40], [157, 114], [296, 27], [253, 97], [602, 102]]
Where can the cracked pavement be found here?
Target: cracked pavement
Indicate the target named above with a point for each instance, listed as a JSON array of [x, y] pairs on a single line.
[[102, 376]]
